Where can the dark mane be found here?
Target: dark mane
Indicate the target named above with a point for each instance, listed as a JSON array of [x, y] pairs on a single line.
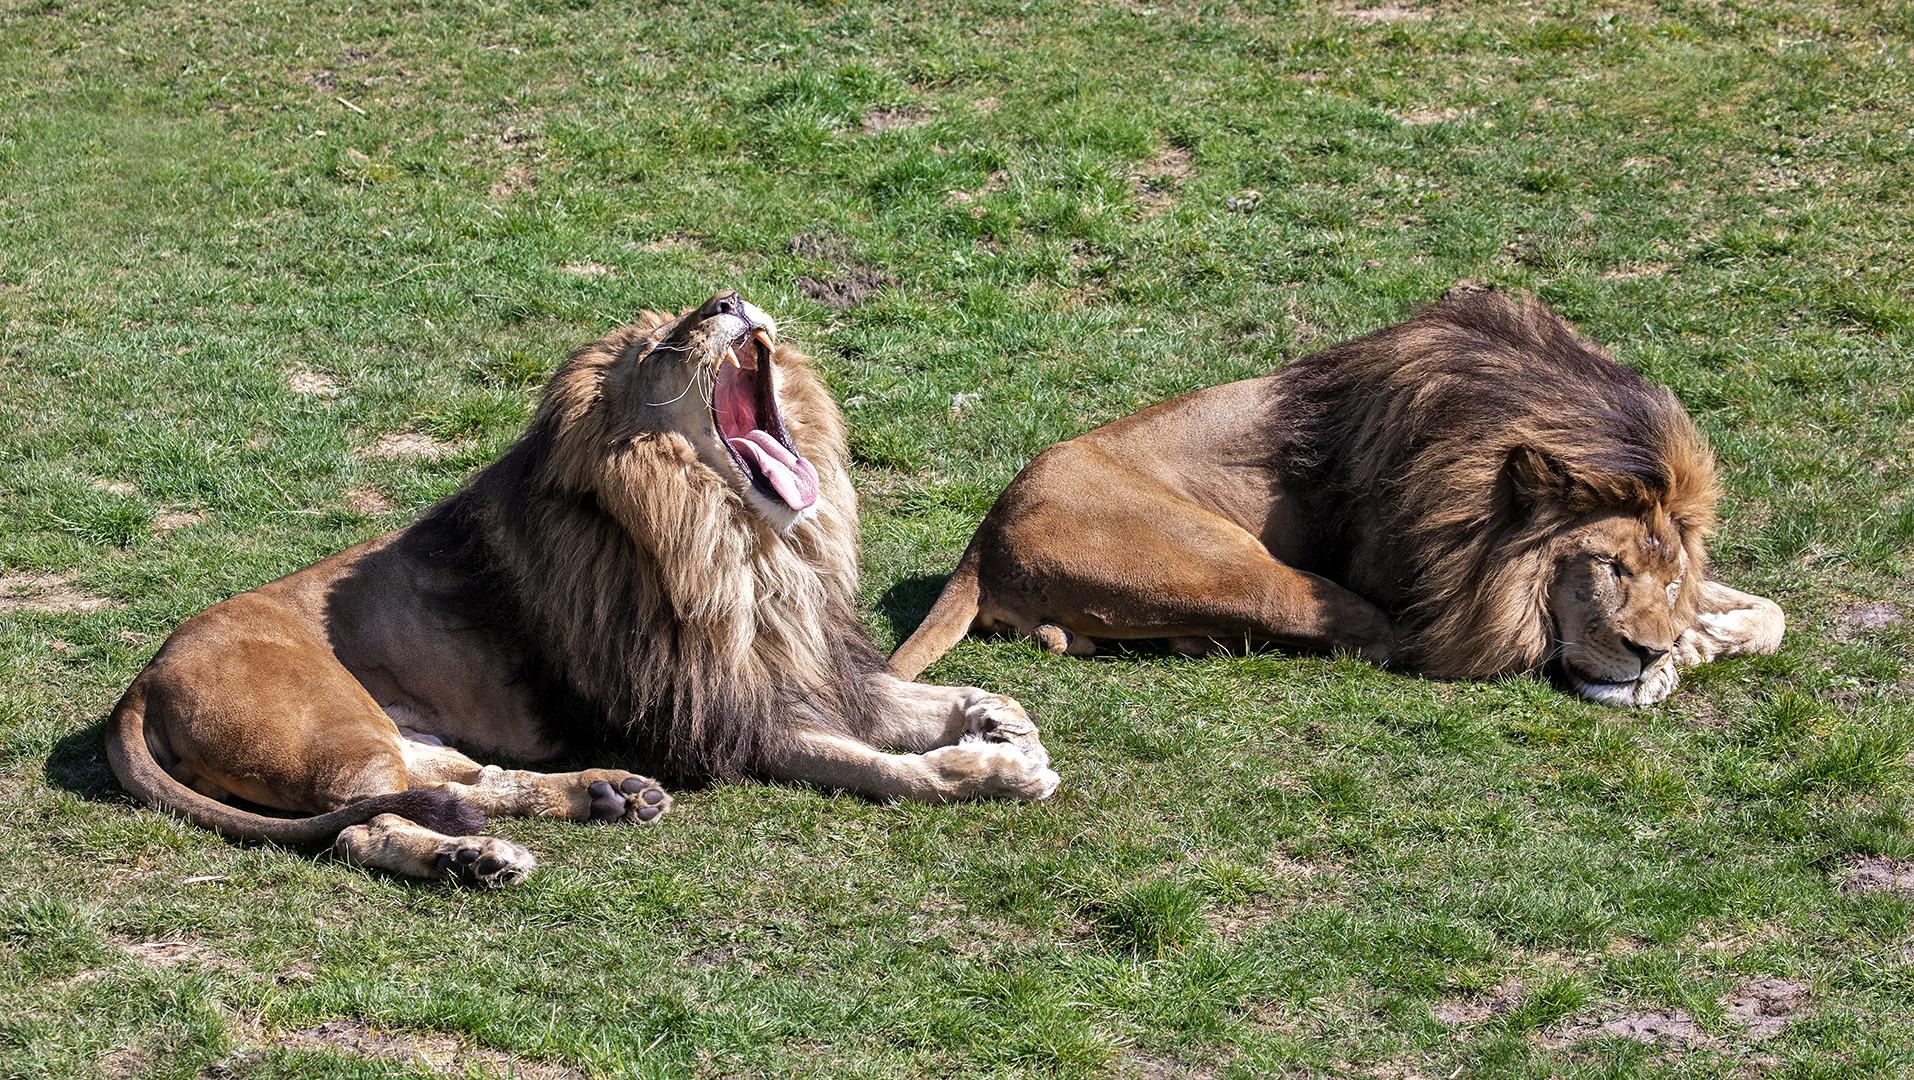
[[548, 570], [1446, 451]]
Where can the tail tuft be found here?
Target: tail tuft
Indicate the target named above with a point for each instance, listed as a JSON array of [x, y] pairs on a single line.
[[440, 811]]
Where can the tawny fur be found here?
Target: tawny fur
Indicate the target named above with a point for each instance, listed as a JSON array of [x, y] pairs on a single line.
[[1478, 490]]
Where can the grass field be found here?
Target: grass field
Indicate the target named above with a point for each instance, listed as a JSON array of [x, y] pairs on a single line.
[[272, 279]]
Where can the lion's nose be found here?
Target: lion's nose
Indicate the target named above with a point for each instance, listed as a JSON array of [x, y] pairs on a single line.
[[1646, 655], [727, 303]]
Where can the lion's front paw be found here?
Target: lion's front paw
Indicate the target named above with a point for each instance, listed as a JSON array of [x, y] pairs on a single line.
[[1657, 682], [485, 861], [975, 769], [1654, 685], [624, 798], [994, 718]]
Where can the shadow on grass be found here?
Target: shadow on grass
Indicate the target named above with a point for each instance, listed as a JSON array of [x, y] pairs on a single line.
[[906, 603], [77, 764]]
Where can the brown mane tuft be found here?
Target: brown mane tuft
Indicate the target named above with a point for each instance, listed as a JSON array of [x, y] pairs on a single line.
[[654, 610], [1443, 455]]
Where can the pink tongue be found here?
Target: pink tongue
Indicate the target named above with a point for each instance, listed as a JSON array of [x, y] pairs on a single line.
[[791, 475]]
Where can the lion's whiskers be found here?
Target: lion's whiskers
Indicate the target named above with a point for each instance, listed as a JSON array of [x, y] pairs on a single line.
[[695, 373]]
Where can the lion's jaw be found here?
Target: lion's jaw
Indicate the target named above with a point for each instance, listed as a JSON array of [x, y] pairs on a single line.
[[1624, 589], [712, 376]]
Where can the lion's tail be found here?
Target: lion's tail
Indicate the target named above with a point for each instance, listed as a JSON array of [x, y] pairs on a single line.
[[133, 764], [949, 620]]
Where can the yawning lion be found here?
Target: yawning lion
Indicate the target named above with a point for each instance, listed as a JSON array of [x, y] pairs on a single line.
[[658, 575]]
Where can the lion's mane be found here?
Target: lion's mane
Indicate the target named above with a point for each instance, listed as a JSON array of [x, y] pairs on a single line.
[[1441, 458], [655, 614]]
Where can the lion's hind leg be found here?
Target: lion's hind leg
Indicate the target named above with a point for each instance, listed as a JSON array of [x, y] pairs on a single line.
[[1082, 549], [1730, 623], [401, 846]]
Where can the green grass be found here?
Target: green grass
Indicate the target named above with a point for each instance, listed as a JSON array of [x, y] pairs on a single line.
[[1271, 865]]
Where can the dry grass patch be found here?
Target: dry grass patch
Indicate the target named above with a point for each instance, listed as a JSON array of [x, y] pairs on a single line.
[[670, 242], [432, 1052], [587, 269], [1857, 620], [1633, 271], [310, 383], [50, 593], [1671, 1028], [1425, 117], [367, 502], [1381, 13], [881, 120], [406, 444]]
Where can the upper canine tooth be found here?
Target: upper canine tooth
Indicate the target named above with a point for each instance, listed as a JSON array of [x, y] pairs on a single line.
[[765, 339], [731, 354]]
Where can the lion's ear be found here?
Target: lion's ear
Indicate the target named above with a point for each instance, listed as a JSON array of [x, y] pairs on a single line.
[[1535, 476]]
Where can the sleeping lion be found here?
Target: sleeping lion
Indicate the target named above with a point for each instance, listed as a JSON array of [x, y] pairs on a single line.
[[1475, 492], [658, 576]]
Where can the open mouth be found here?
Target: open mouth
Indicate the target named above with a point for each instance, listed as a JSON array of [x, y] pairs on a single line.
[[744, 405]]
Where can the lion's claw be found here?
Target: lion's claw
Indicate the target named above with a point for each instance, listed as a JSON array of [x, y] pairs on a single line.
[[485, 861], [998, 719], [622, 798]]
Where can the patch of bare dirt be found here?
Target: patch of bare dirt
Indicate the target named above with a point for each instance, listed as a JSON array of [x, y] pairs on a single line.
[[586, 269], [1672, 1028], [847, 290], [367, 502], [178, 519], [1875, 874], [1174, 163], [1425, 117], [174, 952], [1857, 620], [520, 177], [312, 383], [878, 120], [1381, 13], [1156, 180], [125, 1063], [986, 105], [164, 953], [115, 487], [1151, 1067], [53, 593], [442, 1054], [822, 245], [1474, 1009], [1764, 1006], [402, 444]]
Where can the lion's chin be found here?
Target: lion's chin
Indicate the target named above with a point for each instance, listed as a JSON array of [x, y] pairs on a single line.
[[775, 512], [1654, 685]]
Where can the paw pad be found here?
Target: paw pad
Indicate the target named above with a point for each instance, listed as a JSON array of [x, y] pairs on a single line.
[[633, 799], [483, 861]]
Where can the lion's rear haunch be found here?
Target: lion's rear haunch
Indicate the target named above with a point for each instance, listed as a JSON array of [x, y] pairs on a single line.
[[1440, 457], [693, 651]]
